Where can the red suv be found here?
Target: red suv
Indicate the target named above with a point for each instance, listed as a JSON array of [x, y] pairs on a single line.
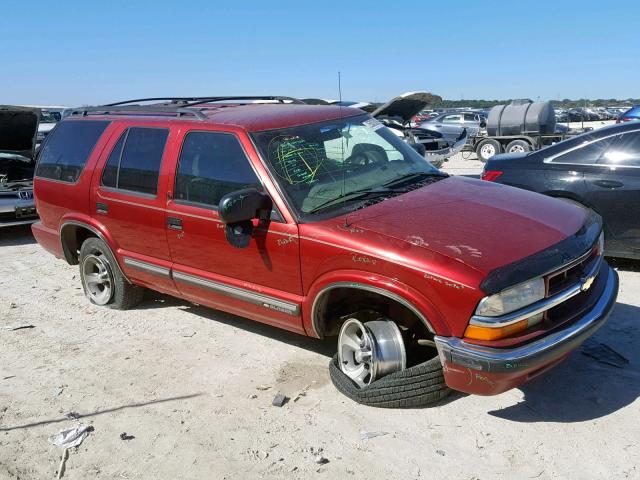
[[321, 221]]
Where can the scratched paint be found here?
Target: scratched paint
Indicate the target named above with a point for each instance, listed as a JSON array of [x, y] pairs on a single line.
[[281, 242], [442, 281], [417, 240]]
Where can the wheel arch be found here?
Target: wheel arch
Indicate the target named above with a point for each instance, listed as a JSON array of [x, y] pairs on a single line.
[[74, 232], [319, 323]]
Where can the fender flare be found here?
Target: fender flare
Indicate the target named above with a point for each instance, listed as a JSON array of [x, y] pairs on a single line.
[[96, 229], [414, 301]]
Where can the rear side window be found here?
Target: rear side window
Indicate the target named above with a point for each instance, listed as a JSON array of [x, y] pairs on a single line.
[[624, 150], [67, 149], [585, 155], [212, 165], [134, 162]]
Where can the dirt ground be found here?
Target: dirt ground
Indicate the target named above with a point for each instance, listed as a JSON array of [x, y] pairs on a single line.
[[194, 387]]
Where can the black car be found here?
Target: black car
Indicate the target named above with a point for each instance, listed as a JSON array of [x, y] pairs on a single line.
[[599, 169]]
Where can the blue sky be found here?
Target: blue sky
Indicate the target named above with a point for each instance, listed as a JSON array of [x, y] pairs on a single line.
[[85, 52]]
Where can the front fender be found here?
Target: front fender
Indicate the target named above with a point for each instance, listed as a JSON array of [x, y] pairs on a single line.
[[386, 286]]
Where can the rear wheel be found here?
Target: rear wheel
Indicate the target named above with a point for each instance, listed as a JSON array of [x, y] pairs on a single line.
[[487, 148], [518, 146], [102, 282]]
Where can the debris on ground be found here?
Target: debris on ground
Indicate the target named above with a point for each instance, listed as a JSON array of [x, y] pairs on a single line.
[[13, 305], [71, 437], [368, 435], [442, 453], [63, 463], [603, 353], [279, 400], [124, 436], [73, 415], [263, 387], [302, 393], [13, 328], [56, 391], [320, 460], [251, 396]]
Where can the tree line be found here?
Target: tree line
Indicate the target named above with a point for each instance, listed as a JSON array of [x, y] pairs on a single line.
[[565, 103]]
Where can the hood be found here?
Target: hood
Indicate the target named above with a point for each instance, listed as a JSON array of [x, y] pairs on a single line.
[[482, 224], [406, 106], [18, 129]]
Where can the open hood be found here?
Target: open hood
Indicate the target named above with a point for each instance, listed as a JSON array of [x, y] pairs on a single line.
[[406, 106], [18, 131]]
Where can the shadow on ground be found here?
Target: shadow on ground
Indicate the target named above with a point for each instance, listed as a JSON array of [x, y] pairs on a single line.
[[581, 388], [77, 415], [18, 235], [324, 347]]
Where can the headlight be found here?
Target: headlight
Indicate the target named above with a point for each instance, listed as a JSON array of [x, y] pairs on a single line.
[[512, 299]]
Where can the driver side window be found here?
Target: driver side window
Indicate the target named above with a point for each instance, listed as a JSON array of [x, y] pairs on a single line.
[[211, 165]]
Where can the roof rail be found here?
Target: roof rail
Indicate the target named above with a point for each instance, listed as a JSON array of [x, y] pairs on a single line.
[[190, 101], [177, 110]]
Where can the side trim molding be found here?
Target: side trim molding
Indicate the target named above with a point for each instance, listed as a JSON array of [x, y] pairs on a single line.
[[147, 267], [265, 301]]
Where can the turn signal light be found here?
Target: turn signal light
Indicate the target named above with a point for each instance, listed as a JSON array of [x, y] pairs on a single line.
[[490, 175], [494, 333]]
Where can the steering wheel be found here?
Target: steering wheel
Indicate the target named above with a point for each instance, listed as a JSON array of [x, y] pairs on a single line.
[[367, 157]]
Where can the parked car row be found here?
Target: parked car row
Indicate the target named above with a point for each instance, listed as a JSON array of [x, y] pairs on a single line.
[[322, 221]]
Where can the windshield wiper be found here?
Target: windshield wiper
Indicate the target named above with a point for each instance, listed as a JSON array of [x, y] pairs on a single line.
[[358, 195], [413, 176]]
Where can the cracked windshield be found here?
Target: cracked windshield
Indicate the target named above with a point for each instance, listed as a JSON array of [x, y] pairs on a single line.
[[341, 163]]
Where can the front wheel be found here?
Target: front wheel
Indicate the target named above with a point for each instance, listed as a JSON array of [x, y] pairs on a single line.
[[371, 368], [102, 281], [487, 148]]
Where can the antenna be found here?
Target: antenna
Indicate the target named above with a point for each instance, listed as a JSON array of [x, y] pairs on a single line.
[[344, 170]]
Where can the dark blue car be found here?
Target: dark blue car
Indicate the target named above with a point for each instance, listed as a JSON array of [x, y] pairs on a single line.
[[632, 114]]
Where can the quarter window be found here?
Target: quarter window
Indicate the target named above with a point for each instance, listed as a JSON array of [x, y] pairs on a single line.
[[624, 150], [134, 163], [585, 155], [211, 165], [451, 119], [67, 149]]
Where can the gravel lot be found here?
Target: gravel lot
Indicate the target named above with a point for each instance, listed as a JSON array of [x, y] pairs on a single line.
[[194, 387]]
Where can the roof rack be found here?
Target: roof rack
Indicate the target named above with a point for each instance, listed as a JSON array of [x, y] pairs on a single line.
[[161, 109], [190, 101], [175, 105]]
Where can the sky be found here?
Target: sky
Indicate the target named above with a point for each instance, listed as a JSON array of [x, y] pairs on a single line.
[[63, 52]]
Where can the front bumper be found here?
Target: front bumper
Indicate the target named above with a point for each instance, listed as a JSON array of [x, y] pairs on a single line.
[[488, 371], [15, 210]]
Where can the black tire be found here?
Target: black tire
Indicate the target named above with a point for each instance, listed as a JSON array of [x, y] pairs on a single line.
[[124, 295], [518, 146], [485, 147], [418, 386]]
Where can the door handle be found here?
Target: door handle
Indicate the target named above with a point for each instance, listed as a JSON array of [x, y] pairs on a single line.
[[608, 184], [174, 223], [102, 208]]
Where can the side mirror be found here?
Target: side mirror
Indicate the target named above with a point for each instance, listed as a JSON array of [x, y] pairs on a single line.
[[237, 209]]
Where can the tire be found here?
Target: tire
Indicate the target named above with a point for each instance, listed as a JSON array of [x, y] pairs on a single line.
[[418, 386], [518, 146], [487, 148], [96, 256]]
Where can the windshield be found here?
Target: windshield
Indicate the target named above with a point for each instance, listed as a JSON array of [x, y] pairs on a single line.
[[334, 166], [49, 117]]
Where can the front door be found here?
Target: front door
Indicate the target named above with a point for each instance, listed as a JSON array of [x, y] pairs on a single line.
[[261, 281]]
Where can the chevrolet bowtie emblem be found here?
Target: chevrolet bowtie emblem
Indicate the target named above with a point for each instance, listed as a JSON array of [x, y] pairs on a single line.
[[586, 283]]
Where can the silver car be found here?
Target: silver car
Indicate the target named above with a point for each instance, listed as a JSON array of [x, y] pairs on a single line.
[[18, 132], [452, 124]]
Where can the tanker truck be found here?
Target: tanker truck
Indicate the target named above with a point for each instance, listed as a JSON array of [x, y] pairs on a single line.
[[521, 126]]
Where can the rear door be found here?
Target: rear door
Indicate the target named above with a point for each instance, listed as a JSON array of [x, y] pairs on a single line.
[[261, 281], [129, 198], [613, 188]]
